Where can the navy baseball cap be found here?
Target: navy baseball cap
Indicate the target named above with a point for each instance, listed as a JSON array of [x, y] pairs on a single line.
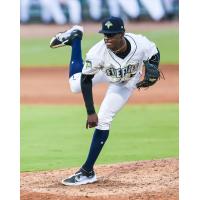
[[112, 25]]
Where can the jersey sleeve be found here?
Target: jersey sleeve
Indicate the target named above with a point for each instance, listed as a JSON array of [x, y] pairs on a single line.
[[93, 61], [149, 48], [91, 65]]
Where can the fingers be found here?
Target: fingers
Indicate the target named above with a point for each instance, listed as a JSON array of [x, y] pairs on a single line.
[[92, 121], [90, 124]]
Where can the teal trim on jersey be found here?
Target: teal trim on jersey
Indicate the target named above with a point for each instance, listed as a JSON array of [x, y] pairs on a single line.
[[36, 52], [53, 137]]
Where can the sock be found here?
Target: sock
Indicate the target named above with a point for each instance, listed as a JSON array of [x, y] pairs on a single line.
[[76, 62], [98, 141]]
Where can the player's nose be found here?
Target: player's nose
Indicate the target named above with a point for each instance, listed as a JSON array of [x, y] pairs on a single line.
[[106, 39]]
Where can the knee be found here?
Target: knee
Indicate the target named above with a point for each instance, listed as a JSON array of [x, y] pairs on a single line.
[[104, 124], [74, 83], [75, 88]]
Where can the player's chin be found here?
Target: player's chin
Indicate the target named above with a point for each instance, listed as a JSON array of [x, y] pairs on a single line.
[[109, 46]]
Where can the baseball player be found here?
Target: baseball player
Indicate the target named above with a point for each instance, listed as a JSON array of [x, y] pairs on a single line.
[[118, 60]]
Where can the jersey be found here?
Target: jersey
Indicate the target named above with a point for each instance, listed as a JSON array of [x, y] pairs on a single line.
[[116, 69]]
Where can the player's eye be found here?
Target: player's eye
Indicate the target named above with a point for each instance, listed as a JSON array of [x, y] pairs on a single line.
[[109, 35]]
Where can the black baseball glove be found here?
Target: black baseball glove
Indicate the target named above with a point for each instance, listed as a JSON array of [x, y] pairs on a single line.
[[152, 74]]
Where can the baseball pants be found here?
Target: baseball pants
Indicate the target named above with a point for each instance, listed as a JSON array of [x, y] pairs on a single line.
[[116, 96]]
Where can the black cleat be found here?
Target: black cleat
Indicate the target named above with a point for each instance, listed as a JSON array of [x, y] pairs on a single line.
[[65, 38], [81, 177]]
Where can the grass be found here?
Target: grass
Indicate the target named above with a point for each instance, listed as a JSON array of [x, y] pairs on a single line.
[[36, 52], [54, 137]]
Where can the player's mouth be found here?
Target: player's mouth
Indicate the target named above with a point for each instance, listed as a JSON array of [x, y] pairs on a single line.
[[109, 44]]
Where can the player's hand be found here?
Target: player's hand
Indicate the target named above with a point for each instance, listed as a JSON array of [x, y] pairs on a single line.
[[92, 120]]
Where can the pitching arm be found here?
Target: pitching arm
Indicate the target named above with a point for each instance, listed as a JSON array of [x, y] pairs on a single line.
[[86, 88]]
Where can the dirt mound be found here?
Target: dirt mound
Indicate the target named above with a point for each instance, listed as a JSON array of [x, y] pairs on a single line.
[[50, 86], [142, 180]]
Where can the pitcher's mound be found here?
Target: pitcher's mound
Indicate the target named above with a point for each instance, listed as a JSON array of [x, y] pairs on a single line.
[[142, 180]]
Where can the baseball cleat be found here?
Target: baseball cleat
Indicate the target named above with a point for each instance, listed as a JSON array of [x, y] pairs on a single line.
[[81, 177], [66, 37]]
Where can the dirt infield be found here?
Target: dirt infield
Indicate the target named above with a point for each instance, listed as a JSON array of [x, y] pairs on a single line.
[[142, 180], [50, 86]]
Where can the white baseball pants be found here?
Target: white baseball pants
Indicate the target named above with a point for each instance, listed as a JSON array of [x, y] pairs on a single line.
[[116, 96]]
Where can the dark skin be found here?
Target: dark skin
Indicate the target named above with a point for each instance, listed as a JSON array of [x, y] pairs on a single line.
[[117, 44]]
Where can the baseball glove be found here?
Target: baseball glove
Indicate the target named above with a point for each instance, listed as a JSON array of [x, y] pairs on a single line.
[[152, 74]]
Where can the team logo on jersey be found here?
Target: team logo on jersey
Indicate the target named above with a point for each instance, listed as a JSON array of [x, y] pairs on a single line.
[[108, 24], [88, 64], [126, 72]]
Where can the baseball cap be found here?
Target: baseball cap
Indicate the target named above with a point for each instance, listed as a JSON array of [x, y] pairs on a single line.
[[112, 25]]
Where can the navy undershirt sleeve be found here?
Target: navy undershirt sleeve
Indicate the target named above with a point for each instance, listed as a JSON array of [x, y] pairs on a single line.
[[86, 87]]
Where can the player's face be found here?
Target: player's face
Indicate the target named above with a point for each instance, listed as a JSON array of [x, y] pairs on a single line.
[[113, 41]]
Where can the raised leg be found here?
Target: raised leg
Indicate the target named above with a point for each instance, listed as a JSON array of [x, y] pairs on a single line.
[[73, 38]]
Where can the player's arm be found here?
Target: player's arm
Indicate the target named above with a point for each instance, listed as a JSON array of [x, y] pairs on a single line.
[[86, 87], [91, 67]]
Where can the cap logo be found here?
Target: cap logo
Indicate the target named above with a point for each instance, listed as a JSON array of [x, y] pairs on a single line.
[[108, 24]]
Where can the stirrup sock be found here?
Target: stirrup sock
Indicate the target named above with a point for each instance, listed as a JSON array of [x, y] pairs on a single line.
[[98, 141], [76, 62]]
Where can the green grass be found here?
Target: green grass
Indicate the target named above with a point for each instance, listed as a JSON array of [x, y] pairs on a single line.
[[55, 137], [36, 52]]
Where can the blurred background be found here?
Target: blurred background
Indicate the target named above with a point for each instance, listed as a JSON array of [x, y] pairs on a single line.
[[77, 11]]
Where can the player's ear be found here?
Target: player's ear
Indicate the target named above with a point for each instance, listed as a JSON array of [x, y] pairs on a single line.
[[122, 34]]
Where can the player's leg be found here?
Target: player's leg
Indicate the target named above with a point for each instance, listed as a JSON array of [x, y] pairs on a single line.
[[86, 173], [73, 38], [116, 97], [74, 81]]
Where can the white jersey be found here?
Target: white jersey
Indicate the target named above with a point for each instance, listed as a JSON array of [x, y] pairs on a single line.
[[115, 68]]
